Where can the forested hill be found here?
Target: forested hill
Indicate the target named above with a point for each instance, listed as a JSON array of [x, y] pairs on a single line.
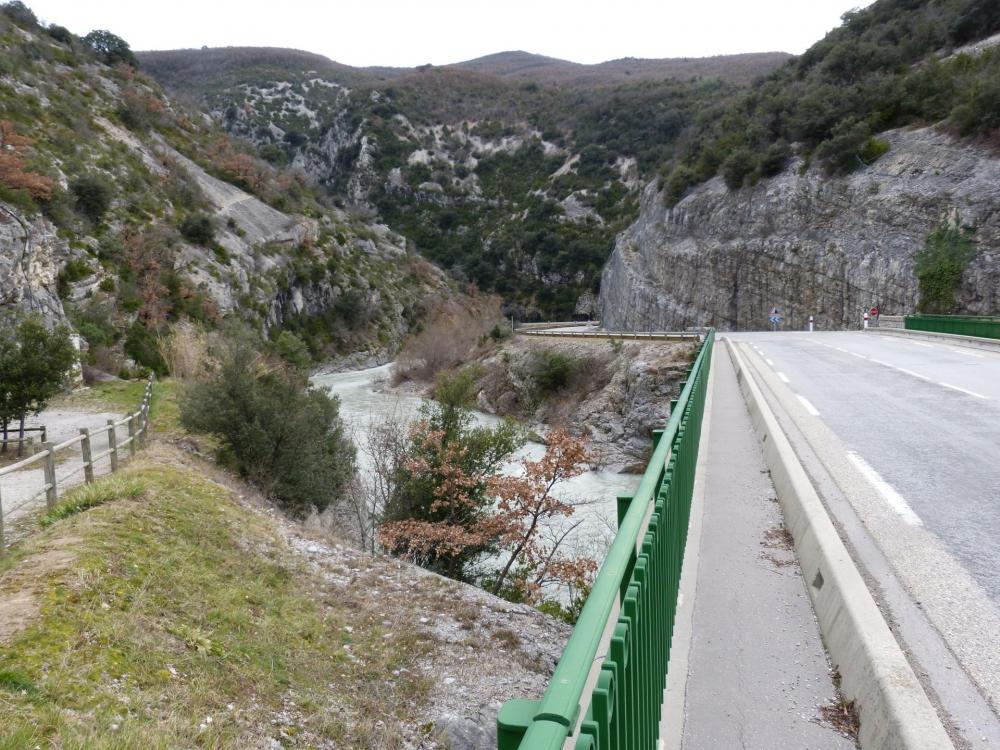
[[513, 171]]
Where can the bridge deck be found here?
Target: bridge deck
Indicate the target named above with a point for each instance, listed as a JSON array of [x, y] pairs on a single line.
[[756, 670]]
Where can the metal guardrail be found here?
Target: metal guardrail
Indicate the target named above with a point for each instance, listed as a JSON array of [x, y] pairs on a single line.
[[647, 336], [607, 689], [962, 325], [137, 425]]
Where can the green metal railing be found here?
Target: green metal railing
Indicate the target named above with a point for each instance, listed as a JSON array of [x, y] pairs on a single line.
[[634, 600], [963, 325]]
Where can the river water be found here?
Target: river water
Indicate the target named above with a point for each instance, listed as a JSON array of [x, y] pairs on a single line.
[[593, 493]]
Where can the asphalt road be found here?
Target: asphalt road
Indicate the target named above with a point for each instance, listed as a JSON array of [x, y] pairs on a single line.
[[923, 422]]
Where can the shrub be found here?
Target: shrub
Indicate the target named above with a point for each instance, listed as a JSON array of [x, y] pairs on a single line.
[[93, 196], [939, 267], [142, 346], [60, 34], [279, 433], [552, 371], [197, 228], [738, 168]]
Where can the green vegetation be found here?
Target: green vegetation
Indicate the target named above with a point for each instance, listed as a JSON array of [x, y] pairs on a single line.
[[177, 619], [939, 267], [93, 196], [276, 431], [881, 69], [35, 362], [457, 459], [198, 229], [87, 496], [552, 370]]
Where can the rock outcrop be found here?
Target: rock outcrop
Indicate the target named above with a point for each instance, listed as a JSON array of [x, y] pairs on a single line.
[[31, 256], [806, 243]]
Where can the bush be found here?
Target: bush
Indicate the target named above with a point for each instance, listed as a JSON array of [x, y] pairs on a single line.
[[60, 34], [93, 196], [142, 346], [552, 371], [280, 434], [197, 228], [738, 167], [939, 267]]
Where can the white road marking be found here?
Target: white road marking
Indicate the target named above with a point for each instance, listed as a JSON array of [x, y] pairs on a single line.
[[809, 407], [893, 498], [963, 390], [784, 378], [884, 364], [914, 374], [967, 354], [859, 356], [769, 361], [839, 349], [921, 343]]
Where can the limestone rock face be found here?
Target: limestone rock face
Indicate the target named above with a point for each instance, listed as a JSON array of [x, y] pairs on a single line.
[[31, 256], [806, 243]]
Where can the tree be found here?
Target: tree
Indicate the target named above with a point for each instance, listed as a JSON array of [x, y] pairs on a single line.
[[279, 433], [197, 228], [111, 49], [440, 513], [93, 196], [35, 362], [525, 505]]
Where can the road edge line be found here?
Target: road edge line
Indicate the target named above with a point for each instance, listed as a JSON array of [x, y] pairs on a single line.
[[895, 712]]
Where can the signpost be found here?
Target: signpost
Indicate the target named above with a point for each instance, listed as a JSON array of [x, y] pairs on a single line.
[[810, 324], [774, 318]]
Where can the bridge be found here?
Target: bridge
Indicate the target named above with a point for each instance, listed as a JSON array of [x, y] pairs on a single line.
[[813, 552]]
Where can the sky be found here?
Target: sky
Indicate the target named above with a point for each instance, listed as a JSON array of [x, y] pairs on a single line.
[[411, 32]]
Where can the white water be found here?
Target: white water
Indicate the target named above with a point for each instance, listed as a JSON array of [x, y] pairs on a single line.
[[362, 405]]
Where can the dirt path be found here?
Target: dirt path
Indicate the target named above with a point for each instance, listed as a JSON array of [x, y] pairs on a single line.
[[18, 488]]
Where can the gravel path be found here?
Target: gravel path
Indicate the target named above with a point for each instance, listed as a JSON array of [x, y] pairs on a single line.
[[17, 490]]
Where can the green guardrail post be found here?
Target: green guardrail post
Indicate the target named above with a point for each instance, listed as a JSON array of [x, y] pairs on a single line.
[[513, 721]]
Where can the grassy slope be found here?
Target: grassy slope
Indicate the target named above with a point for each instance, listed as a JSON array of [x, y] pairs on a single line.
[[182, 605]]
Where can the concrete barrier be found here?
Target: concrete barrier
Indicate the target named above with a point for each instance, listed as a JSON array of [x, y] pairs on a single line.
[[895, 712], [973, 342]]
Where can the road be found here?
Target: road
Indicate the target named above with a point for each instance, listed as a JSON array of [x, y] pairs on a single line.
[[909, 431]]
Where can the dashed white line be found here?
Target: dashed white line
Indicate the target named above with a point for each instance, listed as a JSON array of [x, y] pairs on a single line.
[[840, 349], [859, 356], [784, 378], [921, 343], [809, 407], [964, 390], [884, 364], [967, 354], [769, 361], [886, 490], [911, 373]]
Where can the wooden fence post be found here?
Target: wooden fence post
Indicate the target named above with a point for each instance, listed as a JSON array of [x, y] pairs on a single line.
[[113, 445], [51, 493], [88, 461], [132, 436]]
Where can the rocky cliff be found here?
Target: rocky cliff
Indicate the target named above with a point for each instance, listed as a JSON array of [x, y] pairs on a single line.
[[807, 243]]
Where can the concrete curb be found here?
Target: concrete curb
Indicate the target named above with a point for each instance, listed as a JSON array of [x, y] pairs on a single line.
[[895, 712], [973, 342]]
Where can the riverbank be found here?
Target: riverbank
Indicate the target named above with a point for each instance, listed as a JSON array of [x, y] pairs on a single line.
[[613, 394]]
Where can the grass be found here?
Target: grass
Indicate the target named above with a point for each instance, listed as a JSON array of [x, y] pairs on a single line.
[[125, 396], [84, 497], [182, 606]]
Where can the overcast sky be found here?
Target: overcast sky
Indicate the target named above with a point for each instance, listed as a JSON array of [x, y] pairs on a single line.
[[413, 32]]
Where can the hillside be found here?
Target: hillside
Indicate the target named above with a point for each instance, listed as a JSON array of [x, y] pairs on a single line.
[[514, 182], [183, 612], [739, 69], [864, 173], [122, 211]]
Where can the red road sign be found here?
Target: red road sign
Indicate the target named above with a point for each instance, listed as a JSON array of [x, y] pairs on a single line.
[[874, 312]]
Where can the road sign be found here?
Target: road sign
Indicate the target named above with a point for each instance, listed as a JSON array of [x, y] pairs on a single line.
[[874, 312], [775, 319]]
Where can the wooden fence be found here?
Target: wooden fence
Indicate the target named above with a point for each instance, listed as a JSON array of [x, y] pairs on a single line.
[[137, 425]]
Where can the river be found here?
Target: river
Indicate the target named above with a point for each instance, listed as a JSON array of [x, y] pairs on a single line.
[[593, 493]]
